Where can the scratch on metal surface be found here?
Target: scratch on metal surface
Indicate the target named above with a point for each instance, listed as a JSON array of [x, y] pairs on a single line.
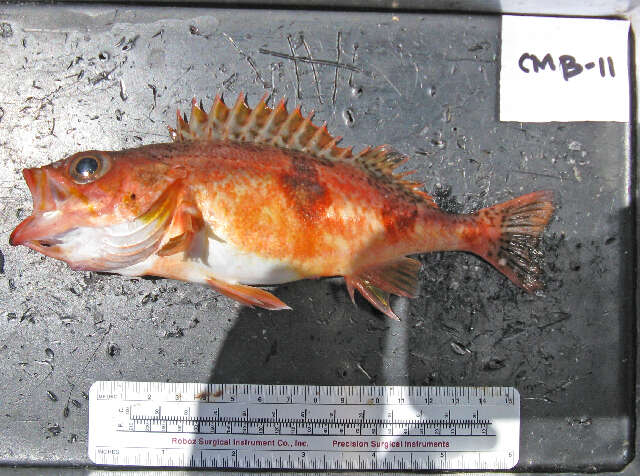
[[154, 90], [123, 91], [179, 78], [306, 59], [228, 83], [295, 65], [249, 59], [386, 78], [335, 78], [95, 351], [44, 30], [144, 133], [353, 60], [536, 174], [46, 100], [475, 60], [103, 75], [313, 68]]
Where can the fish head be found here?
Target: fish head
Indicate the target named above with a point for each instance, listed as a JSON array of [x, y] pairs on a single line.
[[79, 199]]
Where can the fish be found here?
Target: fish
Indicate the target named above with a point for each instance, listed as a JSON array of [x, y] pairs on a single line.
[[243, 198]]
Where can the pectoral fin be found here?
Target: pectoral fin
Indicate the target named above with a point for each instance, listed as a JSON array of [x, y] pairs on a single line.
[[189, 220], [377, 283], [252, 297]]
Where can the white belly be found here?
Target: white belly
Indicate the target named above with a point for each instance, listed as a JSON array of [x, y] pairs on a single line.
[[212, 257], [231, 265]]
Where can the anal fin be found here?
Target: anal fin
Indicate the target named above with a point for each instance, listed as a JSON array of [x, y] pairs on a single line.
[[377, 283], [252, 297]]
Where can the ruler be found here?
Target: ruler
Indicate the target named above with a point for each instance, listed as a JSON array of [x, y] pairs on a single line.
[[303, 426]]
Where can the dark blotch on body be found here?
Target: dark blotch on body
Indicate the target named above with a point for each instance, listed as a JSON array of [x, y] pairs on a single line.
[[302, 186]]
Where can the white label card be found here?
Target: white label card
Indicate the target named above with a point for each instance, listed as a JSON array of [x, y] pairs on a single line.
[[564, 69]]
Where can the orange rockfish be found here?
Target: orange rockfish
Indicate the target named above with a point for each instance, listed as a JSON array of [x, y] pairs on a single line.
[[262, 196]]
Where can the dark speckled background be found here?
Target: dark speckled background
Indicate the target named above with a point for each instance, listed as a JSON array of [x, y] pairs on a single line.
[[74, 78]]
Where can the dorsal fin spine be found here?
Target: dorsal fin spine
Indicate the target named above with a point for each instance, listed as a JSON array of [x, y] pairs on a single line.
[[263, 135], [247, 132], [217, 117], [301, 129], [346, 152], [276, 127], [236, 118], [281, 134], [313, 140]]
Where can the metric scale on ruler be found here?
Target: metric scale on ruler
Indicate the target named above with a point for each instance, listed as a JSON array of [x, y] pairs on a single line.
[[303, 426]]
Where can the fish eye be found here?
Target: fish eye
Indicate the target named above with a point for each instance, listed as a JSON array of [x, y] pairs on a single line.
[[86, 168]]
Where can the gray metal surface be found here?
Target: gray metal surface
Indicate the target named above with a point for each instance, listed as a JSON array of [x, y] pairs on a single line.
[[529, 7], [80, 77]]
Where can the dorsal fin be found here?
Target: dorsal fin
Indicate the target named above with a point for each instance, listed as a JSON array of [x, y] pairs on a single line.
[[278, 127]]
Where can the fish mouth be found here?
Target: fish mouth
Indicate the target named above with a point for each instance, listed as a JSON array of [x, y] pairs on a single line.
[[47, 193], [30, 233], [19, 236], [38, 230]]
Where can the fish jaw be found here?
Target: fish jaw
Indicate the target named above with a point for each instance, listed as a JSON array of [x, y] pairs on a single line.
[[48, 191], [39, 230], [42, 230]]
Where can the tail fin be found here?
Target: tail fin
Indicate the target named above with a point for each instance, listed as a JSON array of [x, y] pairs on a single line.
[[520, 222]]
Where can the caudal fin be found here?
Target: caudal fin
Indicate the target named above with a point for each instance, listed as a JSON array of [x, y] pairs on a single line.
[[515, 250]]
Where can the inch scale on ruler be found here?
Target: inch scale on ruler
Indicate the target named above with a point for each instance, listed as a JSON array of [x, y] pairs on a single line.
[[303, 426]]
